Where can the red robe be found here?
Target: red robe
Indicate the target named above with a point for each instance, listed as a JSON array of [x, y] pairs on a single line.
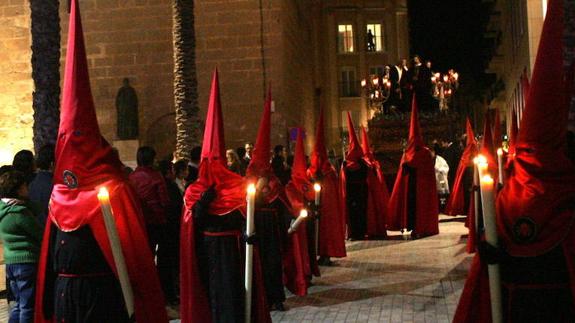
[[426, 205], [456, 201], [72, 209], [298, 190], [331, 231], [231, 196]]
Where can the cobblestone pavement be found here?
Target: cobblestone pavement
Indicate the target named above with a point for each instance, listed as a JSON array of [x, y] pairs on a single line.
[[394, 280]]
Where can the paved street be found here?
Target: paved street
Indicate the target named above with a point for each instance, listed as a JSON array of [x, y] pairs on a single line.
[[389, 281], [394, 280]]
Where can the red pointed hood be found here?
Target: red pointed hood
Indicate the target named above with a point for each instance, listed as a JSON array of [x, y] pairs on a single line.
[[487, 142], [213, 147], [415, 138], [354, 153], [260, 162], [365, 145], [543, 123], [299, 166], [497, 141], [84, 158], [534, 209], [470, 134], [230, 187], [319, 160]]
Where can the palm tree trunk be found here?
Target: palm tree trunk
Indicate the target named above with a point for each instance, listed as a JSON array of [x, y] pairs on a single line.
[[45, 70], [188, 123]]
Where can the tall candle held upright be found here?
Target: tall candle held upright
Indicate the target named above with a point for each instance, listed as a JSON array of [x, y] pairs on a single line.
[[251, 201], [317, 189], [115, 245], [302, 216], [488, 203], [500, 178]]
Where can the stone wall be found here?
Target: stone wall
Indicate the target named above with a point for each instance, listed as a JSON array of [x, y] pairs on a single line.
[[15, 79], [130, 39], [133, 39]]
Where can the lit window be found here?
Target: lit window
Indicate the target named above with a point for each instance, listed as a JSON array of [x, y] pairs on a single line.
[[345, 38], [374, 38], [348, 82]]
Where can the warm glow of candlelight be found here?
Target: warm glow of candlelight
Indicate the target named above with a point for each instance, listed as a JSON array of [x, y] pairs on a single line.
[[303, 213], [363, 83], [445, 78], [251, 189], [480, 159], [375, 81], [487, 180], [499, 152], [316, 187], [103, 194]]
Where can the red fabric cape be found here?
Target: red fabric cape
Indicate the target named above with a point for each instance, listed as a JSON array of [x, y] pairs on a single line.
[[231, 196], [456, 202], [67, 204], [426, 209], [331, 231], [474, 304], [377, 198], [298, 190]]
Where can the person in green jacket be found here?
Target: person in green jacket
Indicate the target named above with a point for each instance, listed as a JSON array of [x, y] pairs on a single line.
[[21, 236]]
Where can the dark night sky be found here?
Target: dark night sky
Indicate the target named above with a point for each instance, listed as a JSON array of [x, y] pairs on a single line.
[[449, 33]]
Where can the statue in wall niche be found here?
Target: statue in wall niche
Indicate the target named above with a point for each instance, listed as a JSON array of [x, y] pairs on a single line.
[[127, 109]]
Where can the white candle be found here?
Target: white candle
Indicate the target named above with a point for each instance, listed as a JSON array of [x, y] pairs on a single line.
[[476, 194], [302, 216], [119, 261], [488, 203], [500, 165], [251, 201], [317, 189]]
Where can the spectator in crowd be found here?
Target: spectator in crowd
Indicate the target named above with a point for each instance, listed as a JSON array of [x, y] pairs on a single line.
[[244, 162], [180, 174], [279, 164], [152, 193], [5, 169], [234, 163], [170, 277], [41, 186], [249, 149], [21, 236], [24, 162], [194, 164], [441, 171], [451, 152]]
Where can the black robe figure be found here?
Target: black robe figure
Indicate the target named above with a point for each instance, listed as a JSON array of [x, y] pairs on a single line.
[[356, 200], [219, 247], [79, 271], [271, 229]]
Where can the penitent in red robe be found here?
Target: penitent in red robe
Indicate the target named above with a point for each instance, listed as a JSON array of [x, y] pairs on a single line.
[[84, 163], [230, 190], [416, 176], [534, 210], [331, 230]]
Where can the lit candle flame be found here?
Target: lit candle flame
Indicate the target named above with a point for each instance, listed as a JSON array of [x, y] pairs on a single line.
[[480, 159], [103, 194], [251, 189], [317, 187], [303, 213], [499, 152], [487, 179]]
